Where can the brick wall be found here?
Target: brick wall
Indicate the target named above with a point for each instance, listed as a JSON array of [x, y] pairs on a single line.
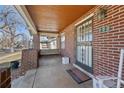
[[29, 61], [36, 41], [29, 58], [69, 44], [106, 45]]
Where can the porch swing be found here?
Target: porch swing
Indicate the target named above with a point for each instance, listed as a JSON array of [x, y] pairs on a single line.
[[111, 82]]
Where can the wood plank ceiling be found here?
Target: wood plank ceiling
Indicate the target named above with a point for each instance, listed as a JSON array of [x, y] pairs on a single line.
[[54, 18]]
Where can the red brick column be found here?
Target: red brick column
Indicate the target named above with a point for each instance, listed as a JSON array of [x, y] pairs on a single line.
[[36, 41], [29, 61], [29, 58]]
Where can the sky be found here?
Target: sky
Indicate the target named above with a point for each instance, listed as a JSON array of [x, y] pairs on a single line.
[[20, 28], [1, 7]]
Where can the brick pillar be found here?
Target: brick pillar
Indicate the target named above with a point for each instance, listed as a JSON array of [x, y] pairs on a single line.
[[29, 58], [36, 41], [29, 61]]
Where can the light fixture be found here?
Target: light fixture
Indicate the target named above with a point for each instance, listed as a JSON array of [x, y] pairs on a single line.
[[102, 13]]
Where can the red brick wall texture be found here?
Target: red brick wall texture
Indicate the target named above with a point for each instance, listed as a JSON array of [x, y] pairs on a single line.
[[36, 41], [106, 45], [29, 61], [29, 58]]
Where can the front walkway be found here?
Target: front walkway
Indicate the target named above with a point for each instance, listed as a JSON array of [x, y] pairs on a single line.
[[50, 74]]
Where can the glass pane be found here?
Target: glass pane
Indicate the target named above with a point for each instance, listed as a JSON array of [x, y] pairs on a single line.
[[53, 44], [87, 56], [90, 36], [90, 32], [78, 34], [83, 54], [83, 32], [79, 54], [90, 56], [87, 36], [62, 37], [62, 40], [86, 32]]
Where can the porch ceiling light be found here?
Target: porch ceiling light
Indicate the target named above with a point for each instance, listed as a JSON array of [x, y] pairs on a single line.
[[102, 13]]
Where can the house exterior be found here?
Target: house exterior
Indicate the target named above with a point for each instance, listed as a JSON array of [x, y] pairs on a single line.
[[106, 45], [92, 42]]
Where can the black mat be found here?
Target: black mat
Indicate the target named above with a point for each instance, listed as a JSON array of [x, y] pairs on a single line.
[[78, 76]]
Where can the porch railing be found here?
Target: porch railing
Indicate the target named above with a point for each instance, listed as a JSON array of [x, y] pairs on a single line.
[[29, 60], [10, 57], [49, 51]]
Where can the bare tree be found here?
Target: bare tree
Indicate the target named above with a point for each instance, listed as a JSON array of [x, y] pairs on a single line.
[[9, 23], [1, 39]]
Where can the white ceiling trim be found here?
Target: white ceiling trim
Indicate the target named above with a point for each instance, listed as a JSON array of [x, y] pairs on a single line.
[[24, 13], [84, 19]]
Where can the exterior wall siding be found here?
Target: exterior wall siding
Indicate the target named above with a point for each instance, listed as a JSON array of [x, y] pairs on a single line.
[[106, 45]]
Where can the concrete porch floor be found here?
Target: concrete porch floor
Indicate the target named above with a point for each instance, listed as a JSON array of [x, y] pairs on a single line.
[[50, 74]]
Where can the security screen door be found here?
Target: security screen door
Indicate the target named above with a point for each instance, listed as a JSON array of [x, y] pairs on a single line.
[[84, 45]]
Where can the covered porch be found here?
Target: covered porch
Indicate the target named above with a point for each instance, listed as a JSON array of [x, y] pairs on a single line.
[[90, 36]]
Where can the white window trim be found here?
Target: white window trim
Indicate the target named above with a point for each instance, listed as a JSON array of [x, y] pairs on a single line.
[[84, 19], [87, 73]]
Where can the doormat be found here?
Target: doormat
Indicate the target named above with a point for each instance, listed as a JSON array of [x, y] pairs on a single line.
[[78, 76]]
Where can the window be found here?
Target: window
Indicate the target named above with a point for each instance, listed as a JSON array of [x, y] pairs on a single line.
[[43, 42], [53, 44], [47, 42], [84, 45], [62, 40]]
